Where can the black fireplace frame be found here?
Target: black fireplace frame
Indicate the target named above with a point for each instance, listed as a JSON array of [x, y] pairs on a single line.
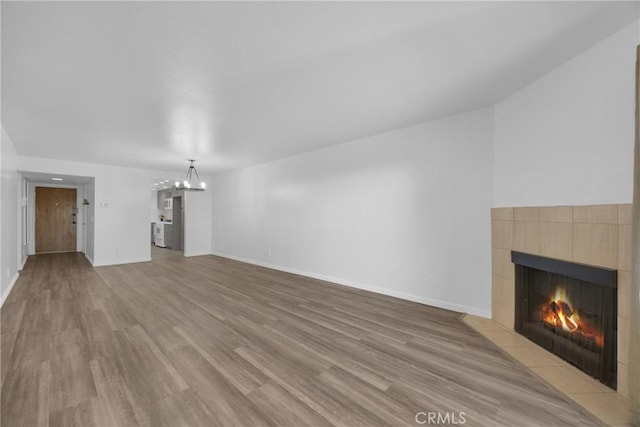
[[601, 276]]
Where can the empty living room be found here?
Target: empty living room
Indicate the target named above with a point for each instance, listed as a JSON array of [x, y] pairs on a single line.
[[319, 213]]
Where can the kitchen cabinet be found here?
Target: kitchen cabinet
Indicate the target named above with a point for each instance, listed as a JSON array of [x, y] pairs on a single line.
[[165, 198]]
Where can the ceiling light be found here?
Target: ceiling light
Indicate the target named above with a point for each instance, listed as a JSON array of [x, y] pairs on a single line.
[[56, 179], [192, 181]]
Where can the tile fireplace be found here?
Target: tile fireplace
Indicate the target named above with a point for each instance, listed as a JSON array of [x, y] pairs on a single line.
[[594, 235]]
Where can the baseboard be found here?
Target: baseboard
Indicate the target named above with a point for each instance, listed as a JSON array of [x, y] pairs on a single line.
[[90, 259], [196, 254], [127, 261], [375, 289], [6, 294]]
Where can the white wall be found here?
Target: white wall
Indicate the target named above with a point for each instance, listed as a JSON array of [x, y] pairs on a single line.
[[23, 248], [197, 222], [154, 212], [90, 212], [119, 209], [8, 216], [567, 139], [405, 213]]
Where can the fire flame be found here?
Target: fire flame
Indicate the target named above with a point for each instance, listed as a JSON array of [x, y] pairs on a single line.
[[563, 311], [560, 313]]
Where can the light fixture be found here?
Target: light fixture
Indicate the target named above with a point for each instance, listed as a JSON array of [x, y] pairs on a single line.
[[191, 182], [56, 179]]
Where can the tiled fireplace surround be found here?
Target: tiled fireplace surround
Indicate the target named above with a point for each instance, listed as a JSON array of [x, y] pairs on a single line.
[[597, 235]]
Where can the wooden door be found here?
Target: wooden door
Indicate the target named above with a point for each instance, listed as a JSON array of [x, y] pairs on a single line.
[[56, 218]]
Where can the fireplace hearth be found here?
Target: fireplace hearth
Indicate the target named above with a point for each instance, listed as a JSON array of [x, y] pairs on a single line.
[[569, 309]]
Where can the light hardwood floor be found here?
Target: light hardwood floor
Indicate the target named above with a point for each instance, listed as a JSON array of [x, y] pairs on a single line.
[[162, 253], [207, 341]]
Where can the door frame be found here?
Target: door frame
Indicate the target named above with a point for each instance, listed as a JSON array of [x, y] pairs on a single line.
[[31, 214]]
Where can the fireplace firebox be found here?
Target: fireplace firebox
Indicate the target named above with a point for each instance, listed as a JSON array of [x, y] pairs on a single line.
[[569, 309]]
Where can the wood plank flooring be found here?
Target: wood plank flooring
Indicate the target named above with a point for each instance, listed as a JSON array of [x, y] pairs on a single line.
[[206, 341]]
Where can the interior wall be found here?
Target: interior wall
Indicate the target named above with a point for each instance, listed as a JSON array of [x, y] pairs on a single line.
[[634, 303], [118, 210], [90, 210], [197, 222], [404, 213], [567, 138], [9, 182], [153, 206], [23, 244]]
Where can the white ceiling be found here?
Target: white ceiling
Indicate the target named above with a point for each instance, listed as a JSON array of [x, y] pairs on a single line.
[[150, 84]]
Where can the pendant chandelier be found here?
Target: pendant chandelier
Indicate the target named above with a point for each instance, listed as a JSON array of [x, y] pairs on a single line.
[[192, 181]]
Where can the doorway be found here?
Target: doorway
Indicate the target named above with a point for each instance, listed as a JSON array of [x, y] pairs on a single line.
[[167, 221], [56, 219]]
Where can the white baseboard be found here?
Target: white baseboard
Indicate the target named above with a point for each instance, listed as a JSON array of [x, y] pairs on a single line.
[[187, 255], [6, 294], [126, 261], [383, 291], [89, 258]]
